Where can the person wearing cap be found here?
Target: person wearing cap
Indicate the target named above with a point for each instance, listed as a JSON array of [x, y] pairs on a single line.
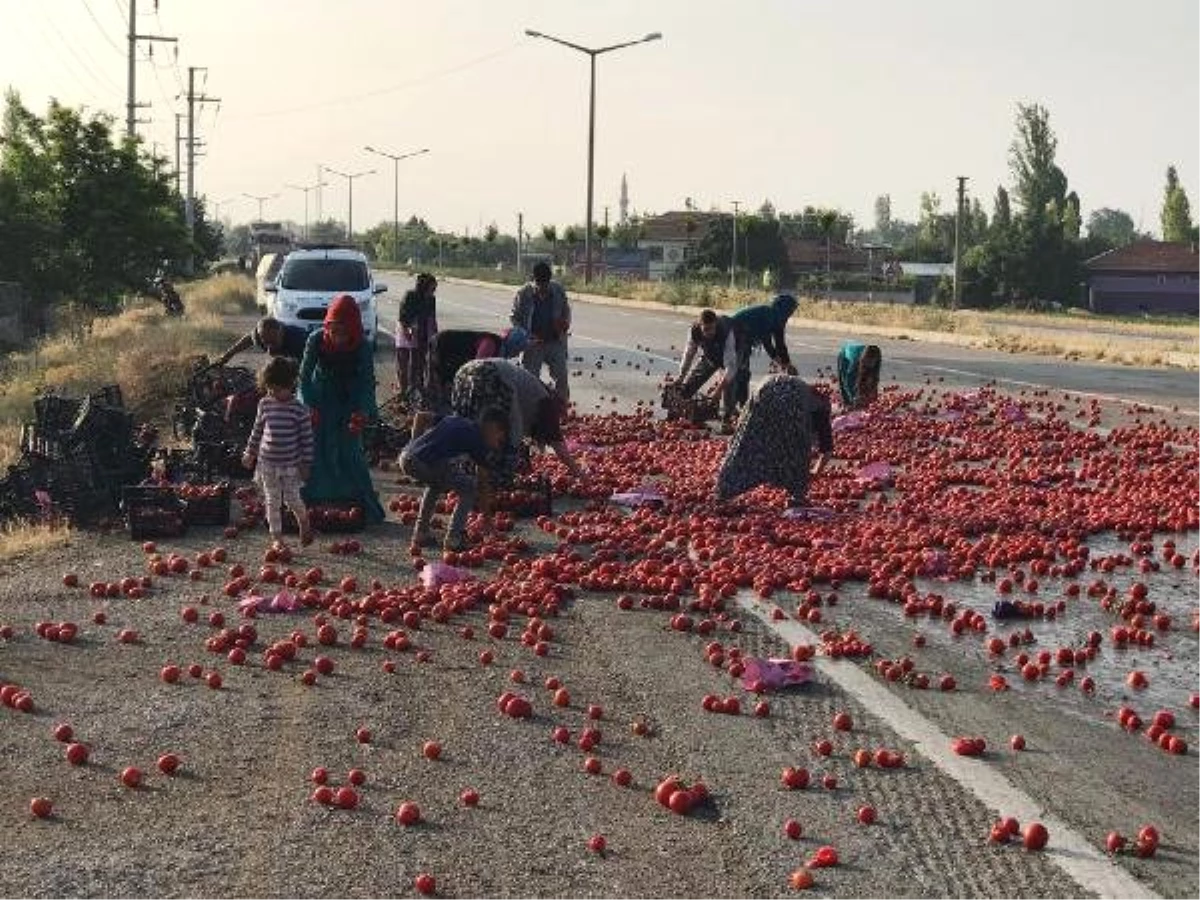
[[271, 337], [541, 308], [415, 330], [454, 348]]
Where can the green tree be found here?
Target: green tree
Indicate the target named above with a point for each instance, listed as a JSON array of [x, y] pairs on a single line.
[[1001, 211], [1111, 227], [85, 216], [1071, 217], [1038, 179], [1176, 214], [883, 217], [491, 233], [326, 231]]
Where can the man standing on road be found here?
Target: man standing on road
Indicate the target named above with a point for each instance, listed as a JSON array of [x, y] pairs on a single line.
[[542, 309], [713, 339]]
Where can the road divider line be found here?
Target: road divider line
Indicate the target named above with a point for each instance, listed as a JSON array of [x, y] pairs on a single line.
[[1068, 849]]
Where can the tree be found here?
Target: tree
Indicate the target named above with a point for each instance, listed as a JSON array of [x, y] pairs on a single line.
[[1071, 217], [1112, 227], [326, 231], [883, 217], [1176, 214], [491, 233], [767, 210], [936, 229], [1039, 180], [85, 216], [1001, 212]]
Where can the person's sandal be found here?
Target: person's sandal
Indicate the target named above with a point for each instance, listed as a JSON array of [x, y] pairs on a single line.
[[454, 543]]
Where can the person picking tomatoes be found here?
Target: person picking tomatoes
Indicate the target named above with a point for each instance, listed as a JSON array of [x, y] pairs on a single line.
[[432, 459]]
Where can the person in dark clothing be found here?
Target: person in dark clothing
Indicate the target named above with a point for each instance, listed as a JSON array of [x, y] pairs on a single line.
[[271, 337], [712, 347], [858, 366], [763, 326], [415, 330], [775, 438], [542, 309], [430, 459], [453, 349]]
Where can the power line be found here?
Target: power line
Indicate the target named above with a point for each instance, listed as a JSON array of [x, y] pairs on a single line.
[[104, 33], [416, 82], [82, 66]]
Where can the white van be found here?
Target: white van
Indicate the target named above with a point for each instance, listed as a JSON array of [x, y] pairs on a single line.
[[312, 276], [265, 274]]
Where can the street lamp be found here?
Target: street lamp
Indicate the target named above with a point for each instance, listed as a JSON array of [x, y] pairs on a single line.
[[306, 189], [395, 158], [350, 191], [219, 203], [261, 200], [592, 54]]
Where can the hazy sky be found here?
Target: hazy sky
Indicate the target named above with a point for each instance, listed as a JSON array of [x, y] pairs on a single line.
[[802, 101]]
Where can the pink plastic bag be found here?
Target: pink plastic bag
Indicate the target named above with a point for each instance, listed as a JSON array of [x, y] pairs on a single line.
[[435, 574], [876, 471], [851, 421], [773, 674], [809, 514], [282, 602]]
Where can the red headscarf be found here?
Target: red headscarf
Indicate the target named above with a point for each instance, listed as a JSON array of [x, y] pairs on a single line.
[[344, 311]]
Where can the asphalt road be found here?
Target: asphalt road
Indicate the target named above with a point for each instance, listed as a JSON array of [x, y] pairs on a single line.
[[654, 339]]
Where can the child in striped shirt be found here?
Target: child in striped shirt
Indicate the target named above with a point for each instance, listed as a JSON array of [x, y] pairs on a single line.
[[282, 446]]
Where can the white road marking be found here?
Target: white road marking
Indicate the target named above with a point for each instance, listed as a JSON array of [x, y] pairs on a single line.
[[1068, 849]]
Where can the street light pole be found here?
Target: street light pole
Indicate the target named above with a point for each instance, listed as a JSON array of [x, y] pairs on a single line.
[[591, 153], [395, 158], [350, 191], [261, 200], [733, 258], [306, 189]]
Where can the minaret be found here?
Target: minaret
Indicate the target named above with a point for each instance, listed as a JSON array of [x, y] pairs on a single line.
[[624, 200]]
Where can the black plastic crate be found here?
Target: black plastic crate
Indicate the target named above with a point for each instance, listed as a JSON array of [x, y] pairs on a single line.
[[55, 413], [207, 504], [153, 512]]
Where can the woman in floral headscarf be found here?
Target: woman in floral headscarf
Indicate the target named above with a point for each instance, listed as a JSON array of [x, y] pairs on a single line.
[[774, 441], [337, 382]]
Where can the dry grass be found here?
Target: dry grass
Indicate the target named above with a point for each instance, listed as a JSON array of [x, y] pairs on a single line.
[[17, 540], [147, 353], [226, 294]]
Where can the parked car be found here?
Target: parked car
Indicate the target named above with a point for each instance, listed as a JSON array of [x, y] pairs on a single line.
[[312, 276], [265, 274]]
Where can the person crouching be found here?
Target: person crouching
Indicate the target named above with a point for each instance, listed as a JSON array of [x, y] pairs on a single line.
[[431, 460]]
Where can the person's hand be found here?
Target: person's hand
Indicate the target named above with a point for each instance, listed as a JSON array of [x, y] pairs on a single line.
[[248, 459]]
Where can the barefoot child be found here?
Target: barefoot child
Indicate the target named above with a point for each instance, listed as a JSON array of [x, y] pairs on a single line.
[[282, 446], [428, 459]]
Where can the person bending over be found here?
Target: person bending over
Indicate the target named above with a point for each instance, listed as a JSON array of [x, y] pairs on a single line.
[[763, 326], [432, 458], [712, 347], [784, 425], [858, 367]]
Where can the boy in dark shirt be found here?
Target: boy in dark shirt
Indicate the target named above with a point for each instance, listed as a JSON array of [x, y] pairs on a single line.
[[428, 459]]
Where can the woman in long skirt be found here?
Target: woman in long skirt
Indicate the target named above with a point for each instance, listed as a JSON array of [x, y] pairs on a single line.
[[775, 438]]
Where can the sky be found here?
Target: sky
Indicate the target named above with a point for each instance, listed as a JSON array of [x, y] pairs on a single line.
[[803, 102]]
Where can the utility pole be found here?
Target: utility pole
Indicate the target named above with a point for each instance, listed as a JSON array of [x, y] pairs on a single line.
[[958, 212], [733, 259], [178, 139], [189, 206], [131, 104], [520, 231]]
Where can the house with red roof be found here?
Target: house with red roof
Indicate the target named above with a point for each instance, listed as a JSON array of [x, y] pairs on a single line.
[[1147, 278]]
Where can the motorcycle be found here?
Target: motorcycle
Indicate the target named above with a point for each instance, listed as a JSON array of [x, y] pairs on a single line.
[[162, 290]]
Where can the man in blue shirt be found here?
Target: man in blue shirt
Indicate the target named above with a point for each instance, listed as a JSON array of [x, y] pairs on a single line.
[[429, 459], [541, 308]]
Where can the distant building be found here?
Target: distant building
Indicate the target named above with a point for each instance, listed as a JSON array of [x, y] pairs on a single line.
[[669, 240], [1147, 277], [811, 255], [614, 262]]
